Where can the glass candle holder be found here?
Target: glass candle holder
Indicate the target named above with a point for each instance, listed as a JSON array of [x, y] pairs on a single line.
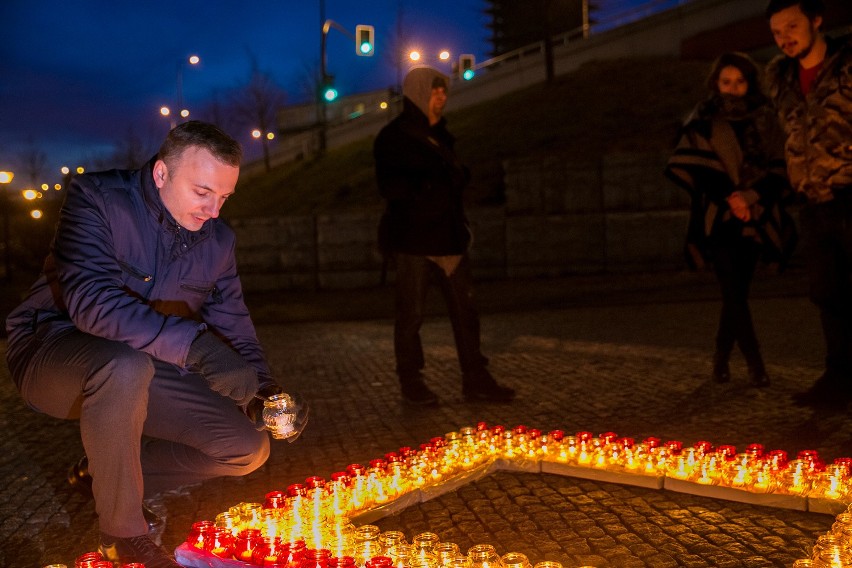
[[271, 551], [483, 556], [390, 540], [424, 542], [515, 560], [244, 544], [87, 560], [446, 551], [219, 542], [198, 533], [279, 415]]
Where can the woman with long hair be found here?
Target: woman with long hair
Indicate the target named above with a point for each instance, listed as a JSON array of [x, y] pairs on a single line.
[[730, 159]]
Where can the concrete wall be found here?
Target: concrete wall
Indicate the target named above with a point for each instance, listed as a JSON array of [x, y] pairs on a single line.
[[560, 217]]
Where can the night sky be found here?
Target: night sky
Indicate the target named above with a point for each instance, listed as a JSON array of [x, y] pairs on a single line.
[[77, 75]]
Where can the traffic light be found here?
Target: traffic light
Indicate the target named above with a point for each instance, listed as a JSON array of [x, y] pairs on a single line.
[[364, 43], [327, 91], [466, 64]]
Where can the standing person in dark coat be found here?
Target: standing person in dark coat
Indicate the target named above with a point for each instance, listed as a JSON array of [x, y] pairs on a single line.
[[425, 229], [730, 159], [138, 329], [811, 86]]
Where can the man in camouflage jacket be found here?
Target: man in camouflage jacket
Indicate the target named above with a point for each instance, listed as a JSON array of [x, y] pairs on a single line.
[[811, 86]]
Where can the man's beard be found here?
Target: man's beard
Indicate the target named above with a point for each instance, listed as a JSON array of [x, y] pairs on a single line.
[[808, 48]]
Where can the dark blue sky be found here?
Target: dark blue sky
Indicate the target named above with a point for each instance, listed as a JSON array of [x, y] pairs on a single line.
[[75, 75]]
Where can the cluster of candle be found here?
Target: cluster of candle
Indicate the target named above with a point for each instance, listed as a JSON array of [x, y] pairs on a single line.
[[362, 547], [755, 469], [311, 520], [833, 549]]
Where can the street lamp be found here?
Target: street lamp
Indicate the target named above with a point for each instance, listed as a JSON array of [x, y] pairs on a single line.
[[192, 60], [6, 179], [258, 134]]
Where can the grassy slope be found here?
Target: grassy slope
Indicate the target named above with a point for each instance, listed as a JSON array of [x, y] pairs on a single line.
[[627, 105]]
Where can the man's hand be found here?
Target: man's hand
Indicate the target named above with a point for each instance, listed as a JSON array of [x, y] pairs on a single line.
[[223, 368], [739, 207], [254, 410]]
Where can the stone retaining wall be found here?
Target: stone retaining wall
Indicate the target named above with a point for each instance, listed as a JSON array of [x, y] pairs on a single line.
[[560, 217]]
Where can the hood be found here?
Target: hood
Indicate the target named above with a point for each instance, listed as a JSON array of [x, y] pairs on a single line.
[[418, 84]]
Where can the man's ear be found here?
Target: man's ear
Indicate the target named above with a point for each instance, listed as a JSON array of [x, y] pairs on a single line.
[[160, 171]]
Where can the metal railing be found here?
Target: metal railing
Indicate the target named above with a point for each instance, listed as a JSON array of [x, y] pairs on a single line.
[[608, 22]]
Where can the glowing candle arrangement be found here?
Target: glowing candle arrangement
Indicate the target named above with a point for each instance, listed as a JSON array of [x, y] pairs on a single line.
[[308, 525]]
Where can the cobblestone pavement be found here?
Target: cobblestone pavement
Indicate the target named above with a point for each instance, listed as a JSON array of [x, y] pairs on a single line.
[[586, 359]]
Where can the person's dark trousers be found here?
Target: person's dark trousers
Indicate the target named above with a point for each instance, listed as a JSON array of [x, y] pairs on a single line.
[[827, 232], [414, 274], [734, 262], [145, 426]]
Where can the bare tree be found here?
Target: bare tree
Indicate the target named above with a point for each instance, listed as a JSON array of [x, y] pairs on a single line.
[[33, 162], [256, 104], [131, 152]]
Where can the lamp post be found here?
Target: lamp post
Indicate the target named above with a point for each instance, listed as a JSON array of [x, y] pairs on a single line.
[[364, 46], [257, 134], [192, 60], [5, 180]]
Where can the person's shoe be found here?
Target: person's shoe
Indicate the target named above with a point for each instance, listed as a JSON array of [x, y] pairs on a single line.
[[139, 549], [81, 480], [758, 378], [483, 388], [415, 391], [721, 369]]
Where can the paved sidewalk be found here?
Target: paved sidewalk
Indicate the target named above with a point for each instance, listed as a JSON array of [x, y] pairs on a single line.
[[623, 354]]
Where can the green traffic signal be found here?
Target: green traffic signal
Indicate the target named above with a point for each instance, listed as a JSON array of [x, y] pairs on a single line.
[[364, 43], [466, 65], [329, 94]]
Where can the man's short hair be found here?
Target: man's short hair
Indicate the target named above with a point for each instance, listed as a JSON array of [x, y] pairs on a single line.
[[195, 133], [810, 8]]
